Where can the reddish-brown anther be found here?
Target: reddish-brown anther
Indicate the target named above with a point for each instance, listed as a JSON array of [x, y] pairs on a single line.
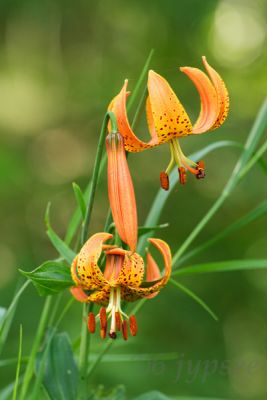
[[103, 333], [164, 180], [91, 322], [182, 175], [103, 318], [118, 320], [125, 330], [200, 170], [133, 325]]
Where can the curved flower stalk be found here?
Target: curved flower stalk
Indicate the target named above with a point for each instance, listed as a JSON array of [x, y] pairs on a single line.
[[121, 280], [168, 120]]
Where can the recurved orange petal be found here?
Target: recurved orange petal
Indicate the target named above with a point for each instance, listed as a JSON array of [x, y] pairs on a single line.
[[213, 95], [118, 106], [152, 272], [87, 270], [209, 99], [222, 94], [131, 293], [121, 191], [99, 296], [169, 117]]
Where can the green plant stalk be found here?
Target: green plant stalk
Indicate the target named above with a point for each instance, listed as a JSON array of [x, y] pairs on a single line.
[[257, 212], [83, 356], [8, 317], [36, 343], [189, 293], [18, 365], [140, 80], [108, 117]]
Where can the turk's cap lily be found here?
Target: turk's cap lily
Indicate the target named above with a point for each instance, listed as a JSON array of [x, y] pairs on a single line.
[[122, 279], [121, 191], [167, 119]]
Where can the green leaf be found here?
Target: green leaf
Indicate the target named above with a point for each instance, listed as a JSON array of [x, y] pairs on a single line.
[[51, 277], [222, 266], [80, 199], [15, 390], [251, 216], [58, 243], [146, 229], [195, 297], [153, 395], [76, 217], [7, 318], [61, 373], [2, 314]]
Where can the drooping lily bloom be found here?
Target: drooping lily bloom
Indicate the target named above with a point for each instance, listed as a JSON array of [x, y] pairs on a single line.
[[121, 191], [168, 120], [121, 280]]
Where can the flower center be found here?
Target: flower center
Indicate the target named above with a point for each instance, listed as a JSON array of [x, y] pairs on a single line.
[[178, 158], [119, 321]]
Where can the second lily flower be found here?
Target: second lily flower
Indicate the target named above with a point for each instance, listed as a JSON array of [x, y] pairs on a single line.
[[168, 121]]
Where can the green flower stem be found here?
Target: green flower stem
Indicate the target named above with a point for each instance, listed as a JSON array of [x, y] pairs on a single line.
[[84, 345], [14, 397], [36, 343], [108, 117]]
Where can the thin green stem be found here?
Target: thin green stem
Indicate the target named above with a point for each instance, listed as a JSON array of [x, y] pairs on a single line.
[[8, 317], [140, 80], [18, 365], [198, 228], [104, 350], [36, 343], [253, 160], [108, 117], [82, 390], [55, 308]]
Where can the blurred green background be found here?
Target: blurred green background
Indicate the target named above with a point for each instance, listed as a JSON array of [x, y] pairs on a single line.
[[60, 64]]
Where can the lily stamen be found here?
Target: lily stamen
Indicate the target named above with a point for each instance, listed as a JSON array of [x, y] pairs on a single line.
[[183, 163], [121, 280]]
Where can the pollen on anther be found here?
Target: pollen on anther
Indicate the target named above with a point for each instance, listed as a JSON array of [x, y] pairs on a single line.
[[182, 175], [133, 325], [125, 330], [164, 180], [103, 318], [91, 322], [201, 170], [118, 320]]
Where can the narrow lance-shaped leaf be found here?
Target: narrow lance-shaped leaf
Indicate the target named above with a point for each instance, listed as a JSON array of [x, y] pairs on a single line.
[[58, 243], [251, 216], [80, 199], [191, 294], [222, 266]]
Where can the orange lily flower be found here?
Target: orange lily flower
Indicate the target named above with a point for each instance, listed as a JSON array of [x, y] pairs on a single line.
[[168, 120], [121, 191], [121, 280]]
